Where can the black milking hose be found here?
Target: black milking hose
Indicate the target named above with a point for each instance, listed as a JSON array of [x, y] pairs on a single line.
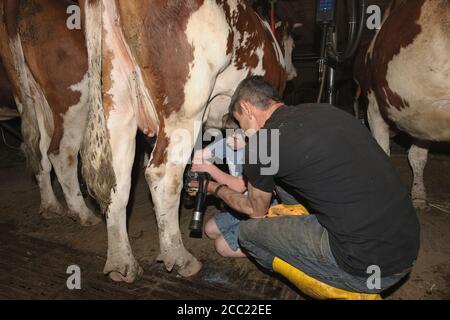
[[354, 36]]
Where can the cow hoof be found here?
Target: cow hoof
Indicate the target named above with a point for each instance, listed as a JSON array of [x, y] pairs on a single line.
[[51, 213], [191, 268], [90, 220], [128, 273], [184, 263], [421, 205]]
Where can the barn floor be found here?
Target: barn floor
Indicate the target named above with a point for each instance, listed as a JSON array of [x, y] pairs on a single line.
[[35, 253]]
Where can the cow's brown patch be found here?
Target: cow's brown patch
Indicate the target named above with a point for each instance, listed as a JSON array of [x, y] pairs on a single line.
[[159, 155], [162, 52], [399, 31], [56, 56], [8, 23], [107, 58], [246, 57], [230, 43], [11, 16]]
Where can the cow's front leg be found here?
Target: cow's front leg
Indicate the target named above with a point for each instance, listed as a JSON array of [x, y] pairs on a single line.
[[165, 178], [418, 157]]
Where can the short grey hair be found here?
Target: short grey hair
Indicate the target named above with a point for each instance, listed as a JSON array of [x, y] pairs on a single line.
[[257, 91]]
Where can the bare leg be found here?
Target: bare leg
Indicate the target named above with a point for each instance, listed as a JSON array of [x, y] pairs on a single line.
[[211, 229], [224, 249]]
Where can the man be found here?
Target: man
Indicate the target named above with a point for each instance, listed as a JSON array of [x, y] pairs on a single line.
[[363, 216]]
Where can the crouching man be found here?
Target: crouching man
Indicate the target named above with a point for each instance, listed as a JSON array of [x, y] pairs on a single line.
[[363, 218]]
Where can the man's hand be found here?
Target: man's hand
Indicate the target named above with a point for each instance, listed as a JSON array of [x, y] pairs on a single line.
[[212, 186], [202, 156]]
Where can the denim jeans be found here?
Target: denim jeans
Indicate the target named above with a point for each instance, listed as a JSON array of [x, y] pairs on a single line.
[[303, 242], [228, 223]]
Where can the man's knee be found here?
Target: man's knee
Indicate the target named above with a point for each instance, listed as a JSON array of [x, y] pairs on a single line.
[[212, 230], [223, 248]]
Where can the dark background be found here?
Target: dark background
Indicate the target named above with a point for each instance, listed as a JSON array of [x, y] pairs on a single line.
[[305, 88]]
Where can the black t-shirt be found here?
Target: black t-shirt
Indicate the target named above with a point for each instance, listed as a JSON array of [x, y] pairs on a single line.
[[331, 160]]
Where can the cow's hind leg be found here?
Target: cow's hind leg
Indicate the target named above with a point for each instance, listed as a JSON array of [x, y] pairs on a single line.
[[65, 163], [378, 126], [34, 130], [165, 178], [121, 264], [50, 207], [418, 156]]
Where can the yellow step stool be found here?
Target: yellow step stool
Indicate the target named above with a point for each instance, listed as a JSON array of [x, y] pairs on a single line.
[[308, 285]]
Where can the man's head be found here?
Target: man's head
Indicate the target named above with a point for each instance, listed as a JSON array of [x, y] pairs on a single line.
[[253, 103]]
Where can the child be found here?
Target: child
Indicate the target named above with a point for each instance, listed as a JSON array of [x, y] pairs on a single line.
[[223, 228]]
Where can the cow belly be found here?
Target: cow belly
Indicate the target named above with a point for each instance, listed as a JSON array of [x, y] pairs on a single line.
[[425, 120], [420, 75], [124, 81]]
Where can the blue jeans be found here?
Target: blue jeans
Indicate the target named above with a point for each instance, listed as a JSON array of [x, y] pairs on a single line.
[[303, 242], [228, 225], [228, 222]]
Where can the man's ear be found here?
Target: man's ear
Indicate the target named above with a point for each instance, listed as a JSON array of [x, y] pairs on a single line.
[[247, 109]]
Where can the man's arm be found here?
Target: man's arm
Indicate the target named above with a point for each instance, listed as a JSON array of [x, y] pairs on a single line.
[[236, 183], [255, 204]]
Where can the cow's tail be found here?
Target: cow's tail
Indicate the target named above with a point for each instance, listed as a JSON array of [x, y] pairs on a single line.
[[96, 150], [11, 53]]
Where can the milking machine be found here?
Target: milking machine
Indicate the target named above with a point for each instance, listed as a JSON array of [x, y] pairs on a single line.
[[330, 56], [202, 179]]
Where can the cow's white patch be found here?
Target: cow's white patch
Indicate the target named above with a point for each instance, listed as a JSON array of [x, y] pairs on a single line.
[[209, 58], [289, 46], [420, 74]]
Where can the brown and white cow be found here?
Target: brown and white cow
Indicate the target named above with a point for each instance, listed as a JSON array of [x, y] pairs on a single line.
[[46, 64], [406, 77], [163, 67], [283, 34]]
